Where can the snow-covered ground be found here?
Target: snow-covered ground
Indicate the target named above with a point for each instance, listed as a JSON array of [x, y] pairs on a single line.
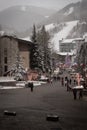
[[10, 87], [63, 34], [19, 84], [7, 79]]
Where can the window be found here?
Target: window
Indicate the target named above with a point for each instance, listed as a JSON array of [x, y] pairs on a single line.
[[5, 60], [5, 68], [5, 51]]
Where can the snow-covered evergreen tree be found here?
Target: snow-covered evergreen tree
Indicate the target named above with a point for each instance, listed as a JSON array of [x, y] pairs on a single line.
[[82, 58], [43, 40], [17, 69], [40, 54], [35, 56]]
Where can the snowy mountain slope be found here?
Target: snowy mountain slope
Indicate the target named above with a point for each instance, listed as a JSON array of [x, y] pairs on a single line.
[[63, 30], [62, 34], [68, 12], [71, 12]]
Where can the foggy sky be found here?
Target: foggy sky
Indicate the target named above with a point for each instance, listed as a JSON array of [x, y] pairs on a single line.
[[53, 4]]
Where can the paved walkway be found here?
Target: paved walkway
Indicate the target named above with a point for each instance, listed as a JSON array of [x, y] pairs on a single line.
[[32, 109]]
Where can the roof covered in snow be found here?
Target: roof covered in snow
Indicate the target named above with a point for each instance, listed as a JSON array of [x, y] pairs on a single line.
[[65, 53], [17, 39], [74, 40]]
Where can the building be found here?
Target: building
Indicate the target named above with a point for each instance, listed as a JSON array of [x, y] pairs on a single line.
[[13, 50], [70, 47]]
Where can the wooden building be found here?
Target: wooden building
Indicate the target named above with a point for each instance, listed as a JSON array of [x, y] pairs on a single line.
[[11, 49]]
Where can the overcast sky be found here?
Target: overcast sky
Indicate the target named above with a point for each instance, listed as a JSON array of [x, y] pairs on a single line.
[[53, 4]]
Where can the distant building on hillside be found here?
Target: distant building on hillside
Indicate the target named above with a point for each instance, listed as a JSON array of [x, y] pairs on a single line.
[[70, 47], [10, 49]]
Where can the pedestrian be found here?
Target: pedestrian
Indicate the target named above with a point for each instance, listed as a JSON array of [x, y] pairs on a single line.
[[66, 80], [67, 85], [31, 86], [75, 94], [62, 81], [80, 93]]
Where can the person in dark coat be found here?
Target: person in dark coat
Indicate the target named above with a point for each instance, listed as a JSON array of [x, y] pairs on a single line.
[[80, 93], [31, 86], [67, 85], [62, 81], [75, 94]]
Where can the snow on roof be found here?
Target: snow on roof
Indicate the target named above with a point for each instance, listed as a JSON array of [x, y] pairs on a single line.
[[65, 53], [69, 11], [63, 34], [79, 39], [26, 39], [67, 41], [71, 40]]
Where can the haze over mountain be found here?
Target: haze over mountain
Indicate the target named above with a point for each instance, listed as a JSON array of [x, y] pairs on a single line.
[[21, 18], [73, 11]]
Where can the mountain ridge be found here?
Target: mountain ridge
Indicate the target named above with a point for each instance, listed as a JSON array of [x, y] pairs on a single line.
[[22, 17]]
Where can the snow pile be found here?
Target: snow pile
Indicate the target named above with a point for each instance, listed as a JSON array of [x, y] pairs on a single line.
[[8, 87], [63, 34], [69, 11], [7, 79]]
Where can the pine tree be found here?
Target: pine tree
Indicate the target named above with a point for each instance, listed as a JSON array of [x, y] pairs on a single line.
[[82, 58], [41, 52], [17, 70], [35, 50], [43, 39]]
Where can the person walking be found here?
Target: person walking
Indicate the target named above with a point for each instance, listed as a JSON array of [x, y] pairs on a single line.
[[62, 81], [67, 85], [80, 93], [66, 80], [75, 94]]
